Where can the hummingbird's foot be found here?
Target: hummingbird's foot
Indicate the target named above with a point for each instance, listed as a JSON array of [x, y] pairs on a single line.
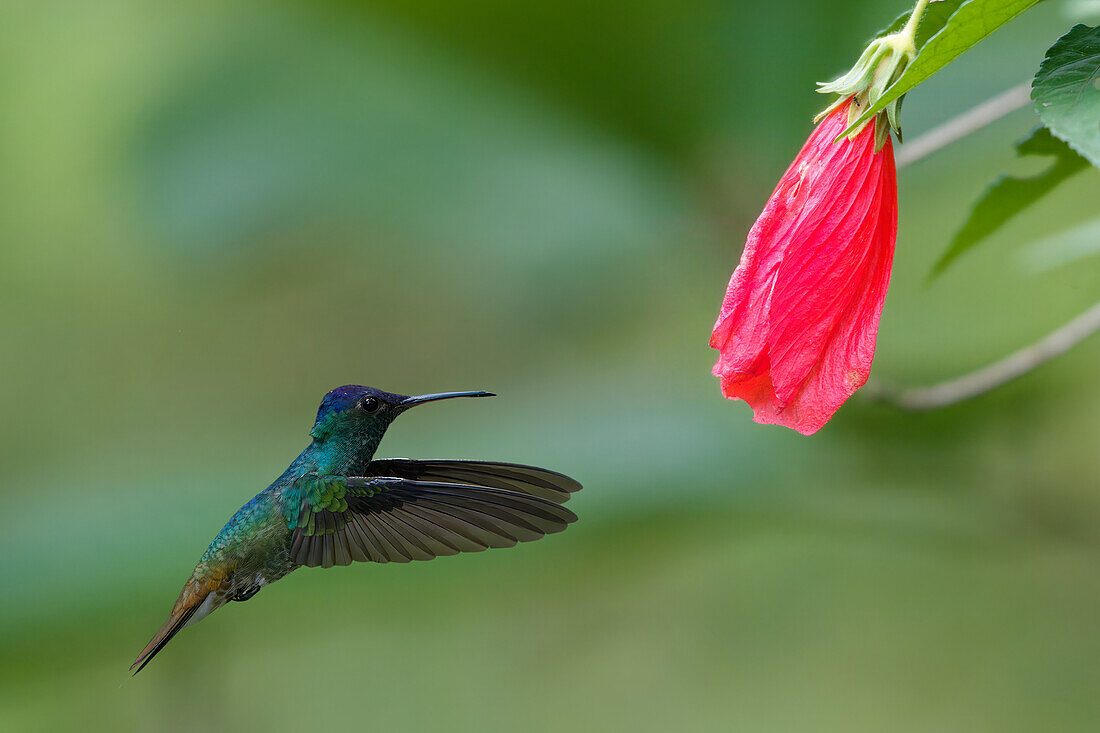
[[245, 593]]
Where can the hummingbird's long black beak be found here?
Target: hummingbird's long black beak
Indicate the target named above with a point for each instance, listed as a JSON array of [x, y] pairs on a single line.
[[421, 399]]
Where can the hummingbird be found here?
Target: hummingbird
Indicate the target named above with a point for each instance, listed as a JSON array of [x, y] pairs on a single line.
[[336, 505]]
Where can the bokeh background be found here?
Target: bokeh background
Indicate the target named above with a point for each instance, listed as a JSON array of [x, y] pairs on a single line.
[[211, 213]]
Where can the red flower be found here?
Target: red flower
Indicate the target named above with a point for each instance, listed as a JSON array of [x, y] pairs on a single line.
[[797, 328]]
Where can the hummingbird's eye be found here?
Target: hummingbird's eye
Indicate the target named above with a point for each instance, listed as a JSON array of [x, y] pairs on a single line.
[[370, 404]]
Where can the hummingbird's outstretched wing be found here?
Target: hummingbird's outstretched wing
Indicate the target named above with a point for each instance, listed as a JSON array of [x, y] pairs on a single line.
[[395, 519], [540, 482]]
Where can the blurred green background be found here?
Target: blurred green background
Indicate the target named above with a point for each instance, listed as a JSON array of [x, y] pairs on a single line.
[[211, 213]]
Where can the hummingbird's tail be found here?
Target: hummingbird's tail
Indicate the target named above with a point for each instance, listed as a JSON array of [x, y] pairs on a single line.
[[195, 597], [172, 626]]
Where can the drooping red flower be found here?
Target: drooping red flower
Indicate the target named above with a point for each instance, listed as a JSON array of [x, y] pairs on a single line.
[[798, 325]]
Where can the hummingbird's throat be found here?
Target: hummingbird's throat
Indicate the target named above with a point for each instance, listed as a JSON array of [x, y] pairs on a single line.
[[342, 455]]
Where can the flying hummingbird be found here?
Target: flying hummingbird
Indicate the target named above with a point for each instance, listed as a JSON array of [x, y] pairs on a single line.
[[335, 505]]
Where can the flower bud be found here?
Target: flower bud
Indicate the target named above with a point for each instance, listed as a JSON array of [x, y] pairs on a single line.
[[798, 324]]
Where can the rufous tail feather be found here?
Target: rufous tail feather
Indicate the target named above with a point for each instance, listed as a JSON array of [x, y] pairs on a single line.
[[171, 627], [191, 599]]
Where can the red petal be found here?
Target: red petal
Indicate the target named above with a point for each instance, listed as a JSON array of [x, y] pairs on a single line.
[[820, 276], [845, 363], [741, 329]]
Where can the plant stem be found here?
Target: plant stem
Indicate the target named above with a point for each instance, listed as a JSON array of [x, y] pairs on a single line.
[[998, 373], [910, 28], [970, 121]]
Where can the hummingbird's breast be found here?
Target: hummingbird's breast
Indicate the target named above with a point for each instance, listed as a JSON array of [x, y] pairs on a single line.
[[254, 545]]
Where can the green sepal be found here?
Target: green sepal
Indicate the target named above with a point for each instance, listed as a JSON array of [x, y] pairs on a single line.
[[970, 22], [881, 64]]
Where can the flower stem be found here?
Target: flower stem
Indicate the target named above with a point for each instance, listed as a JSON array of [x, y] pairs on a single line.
[[910, 29], [990, 377]]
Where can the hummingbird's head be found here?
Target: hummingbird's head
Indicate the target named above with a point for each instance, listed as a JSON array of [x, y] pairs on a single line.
[[360, 415]]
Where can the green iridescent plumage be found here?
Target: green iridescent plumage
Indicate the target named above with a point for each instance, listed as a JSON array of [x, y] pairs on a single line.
[[312, 494], [335, 505]]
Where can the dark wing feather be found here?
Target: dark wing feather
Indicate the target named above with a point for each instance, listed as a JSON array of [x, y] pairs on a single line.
[[540, 482], [394, 519]]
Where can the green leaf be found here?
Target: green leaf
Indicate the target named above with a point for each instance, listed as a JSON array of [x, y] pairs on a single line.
[[1008, 196], [972, 22], [1066, 90]]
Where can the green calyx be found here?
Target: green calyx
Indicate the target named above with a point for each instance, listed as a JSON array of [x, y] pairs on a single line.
[[880, 65]]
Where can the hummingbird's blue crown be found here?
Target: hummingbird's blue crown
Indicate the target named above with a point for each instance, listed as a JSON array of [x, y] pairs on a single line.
[[343, 398], [340, 399]]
